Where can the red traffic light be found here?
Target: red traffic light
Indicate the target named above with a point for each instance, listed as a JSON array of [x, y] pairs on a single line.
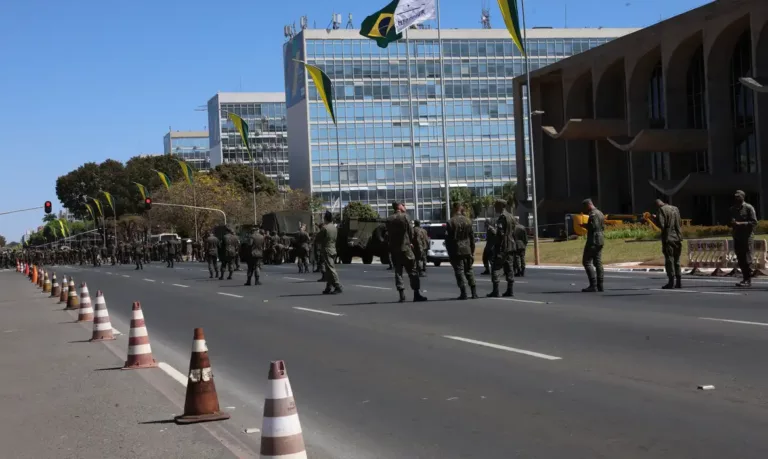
[[48, 207], [147, 203]]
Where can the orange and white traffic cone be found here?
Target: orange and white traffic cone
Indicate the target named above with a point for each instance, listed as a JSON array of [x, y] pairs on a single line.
[[55, 289], [102, 327], [72, 301], [64, 291], [202, 403], [47, 283], [139, 350], [39, 279], [86, 310], [281, 434]]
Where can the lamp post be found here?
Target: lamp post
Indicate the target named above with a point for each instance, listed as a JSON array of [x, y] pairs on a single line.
[[536, 259]]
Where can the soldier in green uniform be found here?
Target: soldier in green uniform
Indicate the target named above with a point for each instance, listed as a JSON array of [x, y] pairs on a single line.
[[592, 259], [743, 222], [521, 241], [460, 244], [254, 255], [668, 220], [504, 251], [302, 250], [401, 242], [138, 254], [227, 252], [490, 242], [170, 253], [423, 245], [211, 250], [326, 240]]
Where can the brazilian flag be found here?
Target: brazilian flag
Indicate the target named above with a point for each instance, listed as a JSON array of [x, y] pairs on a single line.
[[189, 174], [512, 20], [324, 87], [164, 178], [380, 26]]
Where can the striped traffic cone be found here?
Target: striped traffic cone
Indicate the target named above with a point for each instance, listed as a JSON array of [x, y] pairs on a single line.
[[72, 301], [55, 289], [102, 327], [202, 403], [139, 350], [47, 283], [39, 278], [281, 434], [86, 310], [64, 291]]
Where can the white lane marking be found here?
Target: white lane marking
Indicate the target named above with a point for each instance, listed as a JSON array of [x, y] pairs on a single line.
[[744, 322], [126, 275], [318, 311], [229, 294], [488, 280], [504, 348], [149, 280], [373, 286], [678, 290], [173, 373], [107, 272], [520, 301], [180, 285], [295, 278]]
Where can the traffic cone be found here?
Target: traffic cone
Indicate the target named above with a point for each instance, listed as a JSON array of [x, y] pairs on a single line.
[[64, 291], [41, 279], [72, 301], [86, 310], [202, 403], [55, 289], [139, 350], [280, 429], [33, 278], [102, 327], [47, 283]]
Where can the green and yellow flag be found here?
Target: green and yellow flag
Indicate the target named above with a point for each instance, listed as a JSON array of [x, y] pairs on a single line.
[[324, 87], [90, 211], [63, 228], [187, 171], [380, 26], [242, 128], [110, 201], [164, 178], [98, 206], [512, 20], [142, 190]]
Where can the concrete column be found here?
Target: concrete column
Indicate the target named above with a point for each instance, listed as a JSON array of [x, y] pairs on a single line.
[[759, 27], [578, 101], [551, 152]]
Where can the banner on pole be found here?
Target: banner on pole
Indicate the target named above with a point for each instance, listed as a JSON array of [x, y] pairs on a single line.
[[413, 12]]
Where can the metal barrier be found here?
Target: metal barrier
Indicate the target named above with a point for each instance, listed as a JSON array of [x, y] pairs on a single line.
[[719, 254]]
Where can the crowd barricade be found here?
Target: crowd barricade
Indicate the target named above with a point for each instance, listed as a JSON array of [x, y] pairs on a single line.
[[708, 254], [759, 257]]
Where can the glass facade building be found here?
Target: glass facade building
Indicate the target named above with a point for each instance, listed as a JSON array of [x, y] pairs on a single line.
[[266, 118], [379, 163], [192, 146]]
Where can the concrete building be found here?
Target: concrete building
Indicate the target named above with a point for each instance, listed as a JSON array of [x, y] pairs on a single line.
[[660, 112], [265, 114], [191, 146], [380, 163]]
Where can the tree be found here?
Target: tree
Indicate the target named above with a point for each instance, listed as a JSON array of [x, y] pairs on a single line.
[[242, 175], [2, 240], [481, 203], [465, 197], [357, 209], [509, 194], [49, 218]]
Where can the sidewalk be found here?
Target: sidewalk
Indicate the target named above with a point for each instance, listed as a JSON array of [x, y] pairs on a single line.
[[62, 397]]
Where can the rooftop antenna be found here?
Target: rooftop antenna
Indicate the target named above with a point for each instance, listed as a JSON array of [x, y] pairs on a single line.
[[288, 32], [350, 24], [335, 22], [304, 22], [485, 18]]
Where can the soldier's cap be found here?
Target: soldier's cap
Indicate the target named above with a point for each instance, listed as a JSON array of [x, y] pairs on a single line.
[[500, 202], [740, 194], [395, 205], [587, 201]]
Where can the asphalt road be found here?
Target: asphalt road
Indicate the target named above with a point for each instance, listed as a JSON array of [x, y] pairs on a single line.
[[552, 373]]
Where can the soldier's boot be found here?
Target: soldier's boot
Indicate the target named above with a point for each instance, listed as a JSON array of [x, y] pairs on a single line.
[[463, 295], [495, 292], [485, 273], [210, 276], [670, 284], [510, 292], [229, 277], [327, 290], [592, 287], [257, 282], [417, 297], [402, 295], [600, 285], [474, 292], [337, 290], [678, 282], [248, 281]]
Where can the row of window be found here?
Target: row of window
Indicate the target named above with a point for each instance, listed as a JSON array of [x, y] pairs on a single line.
[[254, 109], [201, 143], [390, 152], [378, 132], [352, 175], [422, 110], [379, 90]]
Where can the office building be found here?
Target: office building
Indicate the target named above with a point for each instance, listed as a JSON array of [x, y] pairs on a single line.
[[265, 114], [372, 106], [191, 146], [663, 112]]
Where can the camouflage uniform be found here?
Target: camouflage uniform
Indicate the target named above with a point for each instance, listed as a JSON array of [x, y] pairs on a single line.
[[460, 244]]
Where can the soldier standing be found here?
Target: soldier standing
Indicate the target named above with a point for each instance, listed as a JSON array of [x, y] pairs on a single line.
[[326, 240], [490, 242], [401, 241], [460, 244], [504, 250], [743, 222], [211, 249], [592, 259], [668, 220], [302, 250], [254, 254], [138, 254], [95, 255], [423, 241], [170, 253], [521, 241], [228, 252]]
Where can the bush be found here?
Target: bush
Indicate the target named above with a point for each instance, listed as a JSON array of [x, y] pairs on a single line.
[[630, 231]]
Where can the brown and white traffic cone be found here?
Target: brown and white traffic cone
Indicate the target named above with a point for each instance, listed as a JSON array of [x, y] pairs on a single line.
[[47, 283], [202, 403], [281, 434], [64, 291], [102, 327], [72, 301], [139, 350], [86, 310], [39, 279], [55, 289]]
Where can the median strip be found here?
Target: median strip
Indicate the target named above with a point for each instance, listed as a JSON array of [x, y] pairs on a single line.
[[504, 348]]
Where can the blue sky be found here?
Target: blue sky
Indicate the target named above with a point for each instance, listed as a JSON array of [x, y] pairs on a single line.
[[87, 80]]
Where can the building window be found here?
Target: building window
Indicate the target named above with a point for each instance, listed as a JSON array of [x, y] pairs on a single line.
[[742, 108], [696, 85]]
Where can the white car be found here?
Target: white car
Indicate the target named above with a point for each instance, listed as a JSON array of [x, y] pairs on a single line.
[[436, 253]]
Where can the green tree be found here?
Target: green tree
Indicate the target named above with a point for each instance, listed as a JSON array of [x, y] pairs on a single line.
[[509, 194], [356, 209], [2, 240], [49, 218], [465, 197], [242, 176]]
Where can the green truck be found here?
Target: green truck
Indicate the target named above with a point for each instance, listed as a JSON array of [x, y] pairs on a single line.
[[362, 238]]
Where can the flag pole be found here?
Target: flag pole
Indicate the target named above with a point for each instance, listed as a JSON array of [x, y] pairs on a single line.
[[442, 111], [338, 161], [530, 142], [194, 199], [410, 123]]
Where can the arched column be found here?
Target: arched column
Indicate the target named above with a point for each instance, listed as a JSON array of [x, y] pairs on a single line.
[[582, 168], [614, 193]]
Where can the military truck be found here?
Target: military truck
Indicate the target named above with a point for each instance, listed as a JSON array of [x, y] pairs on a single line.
[[362, 238], [287, 221]]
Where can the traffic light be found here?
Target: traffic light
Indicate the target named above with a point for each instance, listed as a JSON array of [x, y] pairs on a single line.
[[147, 203], [47, 207]]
